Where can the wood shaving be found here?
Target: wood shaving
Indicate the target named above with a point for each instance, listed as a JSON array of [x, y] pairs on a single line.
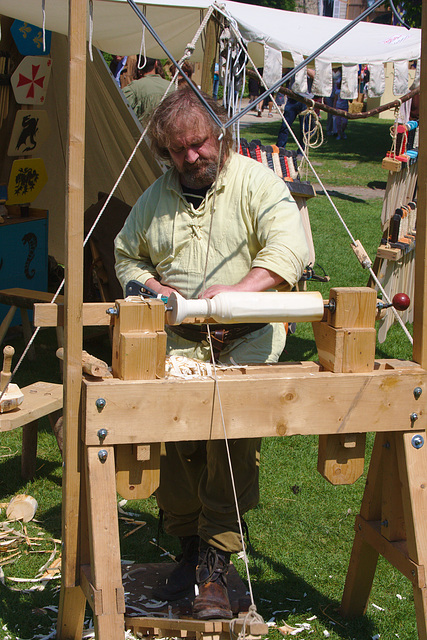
[[14, 542]]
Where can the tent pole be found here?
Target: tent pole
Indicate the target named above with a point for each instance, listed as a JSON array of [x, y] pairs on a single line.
[[209, 56], [420, 301], [72, 602]]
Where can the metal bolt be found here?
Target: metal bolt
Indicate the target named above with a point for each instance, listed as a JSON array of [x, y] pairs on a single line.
[[102, 434], [384, 523], [413, 417], [331, 305], [103, 455], [100, 403], [417, 441], [112, 311], [417, 392], [386, 445]]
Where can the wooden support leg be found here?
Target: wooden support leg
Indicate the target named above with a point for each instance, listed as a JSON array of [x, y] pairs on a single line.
[[29, 450], [106, 577], [71, 614], [392, 522], [363, 561], [6, 322], [412, 461]]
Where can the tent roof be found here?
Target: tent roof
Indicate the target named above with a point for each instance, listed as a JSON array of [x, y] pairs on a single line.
[[118, 30]]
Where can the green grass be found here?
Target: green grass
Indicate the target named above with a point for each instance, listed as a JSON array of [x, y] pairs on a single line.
[[302, 530]]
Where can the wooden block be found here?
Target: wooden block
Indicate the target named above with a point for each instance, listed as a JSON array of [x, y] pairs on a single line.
[[355, 307], [139, 340], [137, 479], [338, 463], [161, 353], [390, 164], [345, 350], [135, 356]]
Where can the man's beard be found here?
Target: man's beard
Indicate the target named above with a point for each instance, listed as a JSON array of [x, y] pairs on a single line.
[[201, 173]]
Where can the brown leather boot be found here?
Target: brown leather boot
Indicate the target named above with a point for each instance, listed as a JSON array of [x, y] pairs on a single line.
[[183, 577], [212, 601]]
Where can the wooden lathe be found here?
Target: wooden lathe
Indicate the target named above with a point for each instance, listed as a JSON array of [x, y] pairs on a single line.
[[340, 398]]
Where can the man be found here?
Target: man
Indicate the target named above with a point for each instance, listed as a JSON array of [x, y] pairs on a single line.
[[292, 109], [145, 93], [256, 242]]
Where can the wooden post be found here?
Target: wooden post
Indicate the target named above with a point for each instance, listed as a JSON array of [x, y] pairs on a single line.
[[209, 57], [420, 302], [72, 601]]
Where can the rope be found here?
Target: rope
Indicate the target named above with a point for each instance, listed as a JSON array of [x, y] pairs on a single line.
[[314, 131], [90, 45], [44, 24], [230, 466]]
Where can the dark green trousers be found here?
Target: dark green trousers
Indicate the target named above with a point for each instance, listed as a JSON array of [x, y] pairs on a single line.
[[196, 493]]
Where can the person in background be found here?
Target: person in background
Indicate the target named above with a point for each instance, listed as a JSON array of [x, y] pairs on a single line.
[[254, 88], [215, 82], [145, 93], [292, 109], [117, 66], [187, 69], [340, 122]]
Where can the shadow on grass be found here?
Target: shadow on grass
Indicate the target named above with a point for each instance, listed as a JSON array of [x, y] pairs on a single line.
[[341, 196], [291, 595], [298, 349]]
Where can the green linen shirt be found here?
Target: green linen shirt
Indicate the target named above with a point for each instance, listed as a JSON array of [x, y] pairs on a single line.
[[144, 95], [256, 223]]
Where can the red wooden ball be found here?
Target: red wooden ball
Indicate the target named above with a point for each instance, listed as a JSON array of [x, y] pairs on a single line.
[[401, 301]]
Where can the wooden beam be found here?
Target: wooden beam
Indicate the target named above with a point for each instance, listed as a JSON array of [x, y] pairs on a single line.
[[420, 302], [255, 405], [72, 602]]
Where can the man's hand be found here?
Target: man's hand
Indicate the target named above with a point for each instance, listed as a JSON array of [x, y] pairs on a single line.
[[159, 288], [218, 288], [257, 279]]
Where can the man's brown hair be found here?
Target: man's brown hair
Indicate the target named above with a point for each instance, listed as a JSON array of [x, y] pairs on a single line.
[[183, 109]]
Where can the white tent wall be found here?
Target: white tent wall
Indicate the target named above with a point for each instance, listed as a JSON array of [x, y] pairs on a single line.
[[118, 30], [111, 134]]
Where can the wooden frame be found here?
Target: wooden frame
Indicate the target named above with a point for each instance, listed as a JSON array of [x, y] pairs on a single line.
[[85, 474]]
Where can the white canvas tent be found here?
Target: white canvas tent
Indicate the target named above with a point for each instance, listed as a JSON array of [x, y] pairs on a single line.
[[117, 29], [112, 129]]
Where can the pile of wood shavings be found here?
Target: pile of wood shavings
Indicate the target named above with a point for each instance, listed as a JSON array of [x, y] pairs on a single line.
[[16, 542], [186, 368]]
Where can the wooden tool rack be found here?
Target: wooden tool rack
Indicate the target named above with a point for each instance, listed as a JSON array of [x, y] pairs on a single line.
[[340, 398]]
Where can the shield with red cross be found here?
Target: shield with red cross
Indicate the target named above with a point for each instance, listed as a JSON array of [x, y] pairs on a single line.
[[30, 80]]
